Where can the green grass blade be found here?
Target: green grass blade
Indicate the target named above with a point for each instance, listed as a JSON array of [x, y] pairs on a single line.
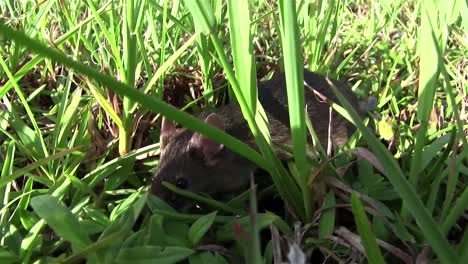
[[429, 73], [7, 169], [461, 204], [202, 15], [200, 227], [27, 245], [201, 198], [295, 90], [241, 42], [327, 218], [102, 101], [368, 238]]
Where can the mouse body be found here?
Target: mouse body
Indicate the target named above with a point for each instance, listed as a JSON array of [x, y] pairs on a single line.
[[195, 163]]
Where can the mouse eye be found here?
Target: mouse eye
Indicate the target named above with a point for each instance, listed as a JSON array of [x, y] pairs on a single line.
[[181, 183]]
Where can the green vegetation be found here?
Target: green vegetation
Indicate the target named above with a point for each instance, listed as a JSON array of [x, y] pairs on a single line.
[[83, 85]]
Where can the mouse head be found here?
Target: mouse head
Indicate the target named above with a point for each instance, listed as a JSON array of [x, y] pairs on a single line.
[[193, 162]]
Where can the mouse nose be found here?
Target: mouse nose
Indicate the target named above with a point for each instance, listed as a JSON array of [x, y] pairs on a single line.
[[164, 194]]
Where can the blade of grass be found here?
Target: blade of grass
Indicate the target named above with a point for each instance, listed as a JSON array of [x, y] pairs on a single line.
[[241, 42], [368, 238], [102, 101], [196, 197], [429, 72], [295, 89], [285, 185], [244, 64], [130, 54], [200, 227], [7, 169]]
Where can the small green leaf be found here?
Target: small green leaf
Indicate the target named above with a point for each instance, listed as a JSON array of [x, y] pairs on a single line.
[[153, 254], [177, 234], [327, 220], [155, 203], [8, 257], [200, 227], [206, 257], [385, 128], [156, 235], [132, 201], [12, 239], [121, 227]]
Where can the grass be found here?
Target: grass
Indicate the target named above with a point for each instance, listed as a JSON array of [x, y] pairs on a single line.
[[84, 84]]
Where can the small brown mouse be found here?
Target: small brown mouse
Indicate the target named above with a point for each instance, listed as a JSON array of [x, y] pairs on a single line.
[[195, 163]]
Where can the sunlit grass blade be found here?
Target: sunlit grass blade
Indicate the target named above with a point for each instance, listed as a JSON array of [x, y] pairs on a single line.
[[168, 63], [285, 184], [319, 23], [295, 89], [109, 35], [429, 73], [27, 245], [241, 41], [97, 93], [130, 55], [32, 30], [203, 15]]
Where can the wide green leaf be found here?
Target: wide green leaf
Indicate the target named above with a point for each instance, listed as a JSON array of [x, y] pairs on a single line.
[[60, 219]]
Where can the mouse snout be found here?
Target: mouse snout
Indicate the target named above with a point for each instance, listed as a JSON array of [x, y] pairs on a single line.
[[165, 194]]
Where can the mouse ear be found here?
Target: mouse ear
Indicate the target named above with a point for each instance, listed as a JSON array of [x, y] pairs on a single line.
[[168, 129], [208, 148]]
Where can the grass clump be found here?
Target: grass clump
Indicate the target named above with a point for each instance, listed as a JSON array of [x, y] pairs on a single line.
[[84, 84]]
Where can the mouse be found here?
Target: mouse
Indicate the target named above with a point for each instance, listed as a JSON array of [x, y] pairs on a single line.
[[194, 162]]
